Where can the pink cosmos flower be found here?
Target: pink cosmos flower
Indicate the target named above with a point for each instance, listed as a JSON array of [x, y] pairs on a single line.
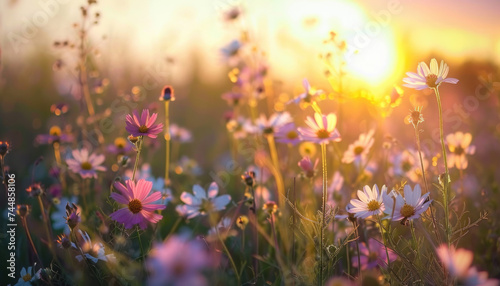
[[140, 204], [84, 164], [458, 263], [143, 126], [321, 129], [307, 166], [178, 261]]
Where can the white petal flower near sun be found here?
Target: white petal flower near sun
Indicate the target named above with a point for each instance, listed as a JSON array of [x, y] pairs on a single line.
[[428, 77], [369, 202], [459, 145]]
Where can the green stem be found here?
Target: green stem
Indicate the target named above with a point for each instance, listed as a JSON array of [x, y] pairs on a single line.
[[167, 142], [383, 238], [228, 255], [140, 243], [323, 208], [446, 180]]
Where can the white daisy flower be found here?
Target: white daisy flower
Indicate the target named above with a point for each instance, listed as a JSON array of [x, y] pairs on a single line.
[[28, 276], [428, 78], [202, 203], [370, 202], [269, 126], [93, 252], [408, 208], [359, 150], [307, 96]]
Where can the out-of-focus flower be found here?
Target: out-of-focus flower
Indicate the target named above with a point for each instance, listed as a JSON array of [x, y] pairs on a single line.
[[239, 127], [269, 126], [242, 222], [308, 95], [55, 135], [232, 98], [167, 94], [416, 117], [84, 164], [374, 255], [408, 208], [232, 14], [307, 166], [428, 78], [4, 148], [93, 252], [120, 146], [55, 191], [224, 228], [27, 276], [249, 178], [23, 210], [287, 134], [59, 108], [231, 50], [337, 182], [270, 207], [144, 125], [307, 149], [202, 203], [459, 145], [407, 164], [262, 173], [180, 134], [34, 190], [369, 202], [72, 215], [64, 242], [140, 204], [458, 263], [321, 129], [178, 261], [357, 151]]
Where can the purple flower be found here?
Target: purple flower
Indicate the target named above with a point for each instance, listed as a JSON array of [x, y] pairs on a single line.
[[140, 208], [143, 126], [84, 164], [55, 135], [121, 146], [287, 134], [321, 129], [374, 255]]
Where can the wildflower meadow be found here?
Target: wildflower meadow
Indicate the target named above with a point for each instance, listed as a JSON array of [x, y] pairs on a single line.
[[249, 142]]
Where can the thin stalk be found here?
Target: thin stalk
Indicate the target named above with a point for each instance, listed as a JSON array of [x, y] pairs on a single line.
[[323, 208], [417, 140], [140, 242], [167, 142], [46, 225], [383, 238], [236, 272], [25, 226], [57, 155], [253, 209], [446, 180], [355, 225], [136, 164]]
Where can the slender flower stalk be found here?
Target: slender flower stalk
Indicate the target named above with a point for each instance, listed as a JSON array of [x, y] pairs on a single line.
[[167, 95], [446, 180], [383, 238], [323, 208], [138, 146]]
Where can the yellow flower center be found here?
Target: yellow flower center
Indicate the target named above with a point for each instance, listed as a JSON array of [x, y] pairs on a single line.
[[27, 277], [292, 135], [373, 205], [86, 166], [55, 131], [406, 166], [431, 80], [120, 142], [135, 206], [322, 134], [407, 211], [143, 129], [358, 150], [206, 206]]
